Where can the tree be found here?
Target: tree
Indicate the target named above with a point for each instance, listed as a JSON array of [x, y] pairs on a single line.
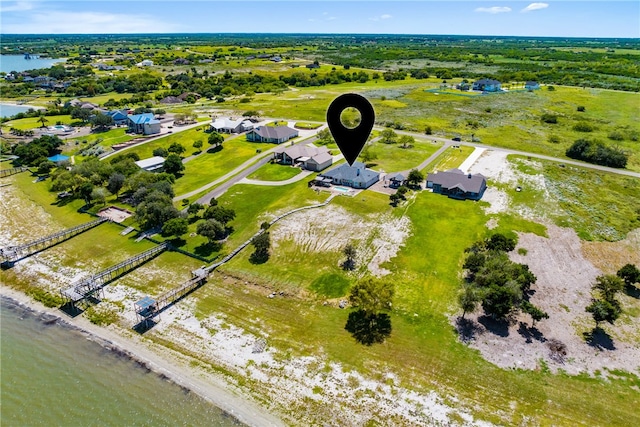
[[160, 152], [533, 311], [197, 144], [211, 229], [415, 178], [176, 148], [45, 167], [175, 227], [194, 208], [173, 164], [99, 195], [499, 301], [324, 137], [350, 252], [155, 209], [608, 285], [219, 213], [84, 191], [367, 155], [116, 182], [388, 136], [500, 242], [428, 130], [43, 120], [394, 199], [251, 113], [468, 299], [603, 311], [629, 273], [372, 295], [81, 113], [215, 139], [102, 121], [262, 245], [407, 141]]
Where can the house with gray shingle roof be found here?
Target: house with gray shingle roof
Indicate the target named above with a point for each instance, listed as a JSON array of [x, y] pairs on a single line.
[[311, 157], [275, 134], [355, 176], [457, 185]]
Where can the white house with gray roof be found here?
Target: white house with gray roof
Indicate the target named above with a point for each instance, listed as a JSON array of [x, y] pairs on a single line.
[[275, 134], [355, 176], [227, 125]]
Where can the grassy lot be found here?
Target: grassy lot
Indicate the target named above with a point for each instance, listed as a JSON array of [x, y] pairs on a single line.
[[598, 205], [186, 138], [451, 158], [307, 125], [32, 122], [426, 276], [274, 172], [214, 164], [108, 138], [393, 158]]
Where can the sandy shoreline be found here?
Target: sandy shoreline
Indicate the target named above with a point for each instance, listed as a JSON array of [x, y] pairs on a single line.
[[15, 104], [169, 364]]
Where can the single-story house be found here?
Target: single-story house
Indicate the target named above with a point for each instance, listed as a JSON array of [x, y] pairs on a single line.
[[275, 134], [530, 85], [311, 158], [58, 158], [355, 176], [487, 85], [120, 117], [145, 63], [276, 59], [231, 126], [457, 185], [151, 164], [145, 123], [396, 180]]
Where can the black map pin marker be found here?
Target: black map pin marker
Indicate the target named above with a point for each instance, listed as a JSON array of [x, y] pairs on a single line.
[[350, 141]]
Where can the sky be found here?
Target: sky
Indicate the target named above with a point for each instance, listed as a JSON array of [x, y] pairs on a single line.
[[560, 18]]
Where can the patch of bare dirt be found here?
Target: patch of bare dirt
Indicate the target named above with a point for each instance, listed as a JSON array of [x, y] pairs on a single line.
[[330, 229], [610, 256], [563, 290]]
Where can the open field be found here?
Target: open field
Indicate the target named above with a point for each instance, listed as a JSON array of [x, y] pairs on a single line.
[[274, 172], [32, 122], [394, 158]]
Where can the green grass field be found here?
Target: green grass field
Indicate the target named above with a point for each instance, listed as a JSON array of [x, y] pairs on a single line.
[[394, 158], [451, 158], [274, 172], [212, 165], [32, 122]]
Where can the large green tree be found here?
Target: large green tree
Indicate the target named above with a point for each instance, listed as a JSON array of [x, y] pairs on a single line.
[[173, 164], [372, 295]]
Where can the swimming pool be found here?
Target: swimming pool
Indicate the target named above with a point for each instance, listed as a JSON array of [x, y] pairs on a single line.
[[342, 189]]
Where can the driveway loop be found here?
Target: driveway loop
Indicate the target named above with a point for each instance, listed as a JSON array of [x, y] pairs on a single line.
[[350, 141]]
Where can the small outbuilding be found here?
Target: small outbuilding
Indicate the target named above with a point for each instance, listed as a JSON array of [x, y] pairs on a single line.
[[152, 164], [396, 180], [530, 85]]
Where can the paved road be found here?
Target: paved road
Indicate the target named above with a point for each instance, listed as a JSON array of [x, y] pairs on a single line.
[[524, 153]]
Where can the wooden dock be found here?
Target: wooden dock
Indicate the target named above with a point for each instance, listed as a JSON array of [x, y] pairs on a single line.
[[11, 254]]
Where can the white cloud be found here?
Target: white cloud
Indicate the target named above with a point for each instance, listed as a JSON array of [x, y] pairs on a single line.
[[17, 7], [535, 6], [494, 9], [55, 22], [381, 17]]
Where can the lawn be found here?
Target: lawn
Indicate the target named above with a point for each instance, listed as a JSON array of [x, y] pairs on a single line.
[[275, 172], [108, 138], [214, 164], [32, 122], [394, 158], [450, 159], [307, 125], [186, 138], [423, 350]]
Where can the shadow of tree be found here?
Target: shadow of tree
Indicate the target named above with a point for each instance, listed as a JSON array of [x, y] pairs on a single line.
[[215, 149], [497, 327], [368, 328], [468, 329], [599, 338], [632, 291], [206, 249], [530, 333], [178, 242]]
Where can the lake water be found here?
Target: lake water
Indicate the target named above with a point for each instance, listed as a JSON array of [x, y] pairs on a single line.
[[7, 110], [9, 63], [52, 375]]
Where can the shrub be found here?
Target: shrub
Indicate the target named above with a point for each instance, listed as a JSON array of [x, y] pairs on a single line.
[[594, 151], [616, 136], [583, 127], [549, 118], [581, 108], [554, 139]]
